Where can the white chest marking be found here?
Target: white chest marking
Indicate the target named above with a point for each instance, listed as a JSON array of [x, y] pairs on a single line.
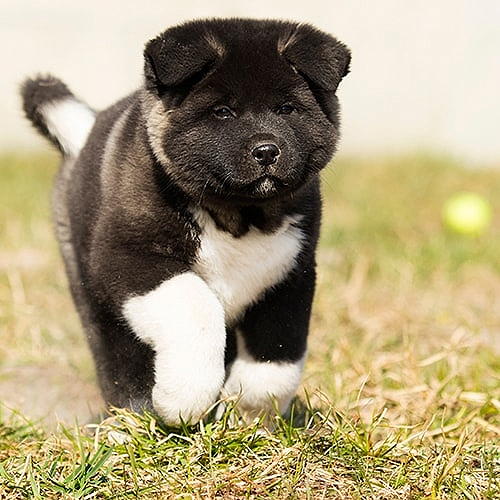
[[240, 270]]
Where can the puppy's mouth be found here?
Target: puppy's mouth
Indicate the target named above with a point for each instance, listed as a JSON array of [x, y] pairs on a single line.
[[263, 188], [266, 186]]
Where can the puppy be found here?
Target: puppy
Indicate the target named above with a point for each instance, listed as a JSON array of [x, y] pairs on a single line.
[[188, 213]]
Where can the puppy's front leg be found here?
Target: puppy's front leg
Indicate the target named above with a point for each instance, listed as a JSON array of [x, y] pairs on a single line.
[[271, 346], [262, 386], [183, 321]]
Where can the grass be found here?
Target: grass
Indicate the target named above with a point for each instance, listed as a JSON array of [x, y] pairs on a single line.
[[401, 391]]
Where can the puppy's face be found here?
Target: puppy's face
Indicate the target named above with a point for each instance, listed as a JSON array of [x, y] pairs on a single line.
[[243, 111]]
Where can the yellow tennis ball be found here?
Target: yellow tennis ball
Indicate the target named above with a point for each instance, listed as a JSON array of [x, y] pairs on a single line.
[[468, 214]]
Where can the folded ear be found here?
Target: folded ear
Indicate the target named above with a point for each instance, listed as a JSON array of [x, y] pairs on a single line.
[[317, 56], [170, 60]]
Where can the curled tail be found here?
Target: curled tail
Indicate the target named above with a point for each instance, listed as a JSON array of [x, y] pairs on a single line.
[[57, 113]]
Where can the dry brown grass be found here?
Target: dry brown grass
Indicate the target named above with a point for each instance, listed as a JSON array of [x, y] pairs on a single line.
[[402, 381]]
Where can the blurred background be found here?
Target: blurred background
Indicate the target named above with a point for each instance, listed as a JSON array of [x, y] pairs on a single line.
[[425, 75]]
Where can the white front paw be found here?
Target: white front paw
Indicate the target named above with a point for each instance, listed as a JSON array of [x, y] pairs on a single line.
[[263, 386], [183, 321], [186, 402]]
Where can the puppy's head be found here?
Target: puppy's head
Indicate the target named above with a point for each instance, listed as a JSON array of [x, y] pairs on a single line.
[[243, 111]]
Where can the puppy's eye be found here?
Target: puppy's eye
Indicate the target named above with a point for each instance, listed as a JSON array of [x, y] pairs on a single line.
[[223, 112], [285, 109]]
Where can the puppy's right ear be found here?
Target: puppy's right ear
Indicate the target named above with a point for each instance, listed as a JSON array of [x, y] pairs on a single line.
[[172, 62], [319, 57]]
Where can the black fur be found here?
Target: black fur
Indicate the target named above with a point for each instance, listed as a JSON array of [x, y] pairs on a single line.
[[213, 92], [41, 91]]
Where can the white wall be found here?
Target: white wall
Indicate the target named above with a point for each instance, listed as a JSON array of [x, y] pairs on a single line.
[[425, 74]]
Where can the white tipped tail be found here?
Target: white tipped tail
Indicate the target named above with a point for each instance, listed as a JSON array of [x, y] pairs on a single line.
[[57, 113], [70, 122]]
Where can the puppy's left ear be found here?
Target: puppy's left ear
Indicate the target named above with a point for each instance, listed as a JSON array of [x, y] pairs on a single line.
[[317, 56], [171, 61]]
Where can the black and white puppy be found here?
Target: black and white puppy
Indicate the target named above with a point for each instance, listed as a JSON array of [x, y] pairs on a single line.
[[188, 212]]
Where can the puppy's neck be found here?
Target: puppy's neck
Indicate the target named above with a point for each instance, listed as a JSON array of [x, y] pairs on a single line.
[[265, 216], [238, 220]]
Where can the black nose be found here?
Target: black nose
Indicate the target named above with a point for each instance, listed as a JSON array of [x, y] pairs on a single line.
[[266, 154]]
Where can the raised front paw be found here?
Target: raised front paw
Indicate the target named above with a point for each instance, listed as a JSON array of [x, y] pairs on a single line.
[[183, 321], [186, 402]]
